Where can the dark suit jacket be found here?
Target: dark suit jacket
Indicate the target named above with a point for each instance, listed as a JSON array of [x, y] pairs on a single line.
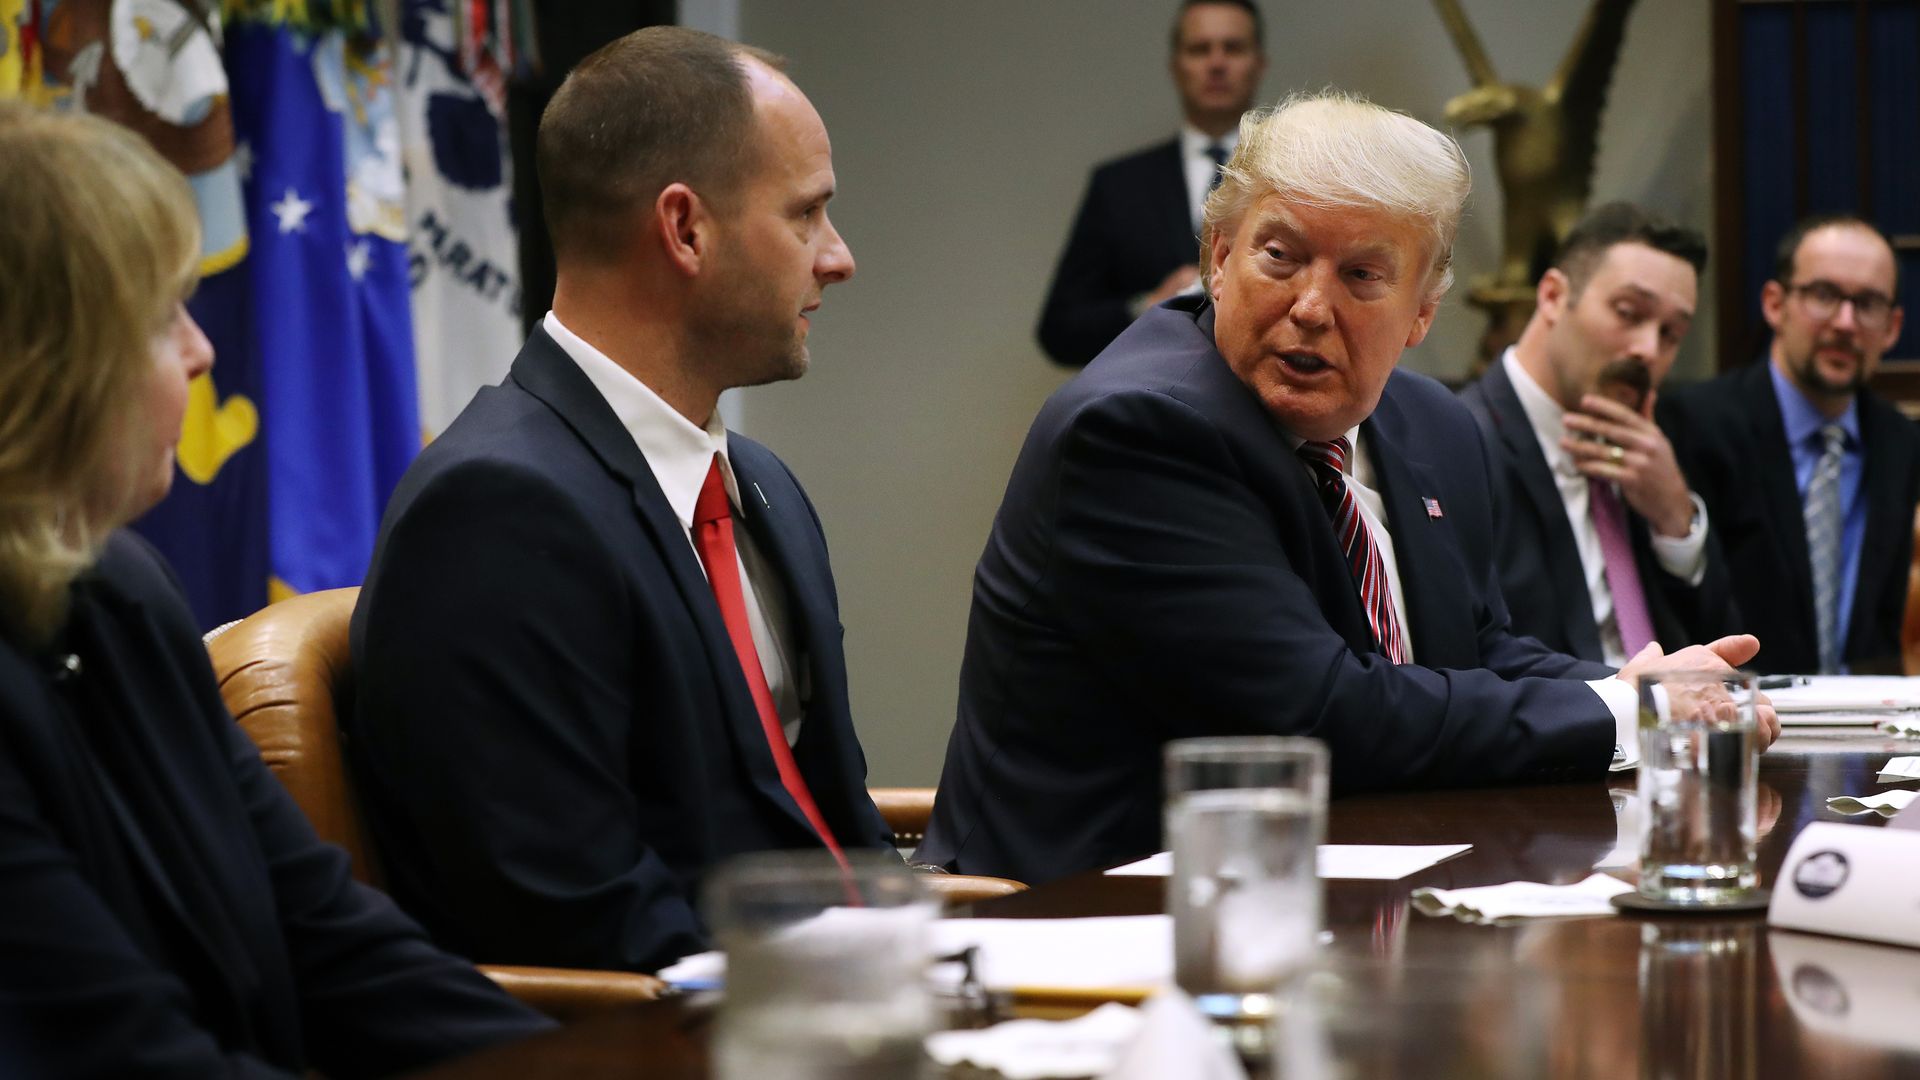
[[1162, 567], [1732, 443], [1132, 230], [1540, 573], [551, 722], [167, 909]]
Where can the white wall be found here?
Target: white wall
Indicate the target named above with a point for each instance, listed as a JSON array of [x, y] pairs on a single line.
[[962, 138]]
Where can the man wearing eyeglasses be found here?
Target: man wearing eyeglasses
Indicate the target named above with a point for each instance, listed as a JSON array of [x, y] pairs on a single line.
[[1809, 477]]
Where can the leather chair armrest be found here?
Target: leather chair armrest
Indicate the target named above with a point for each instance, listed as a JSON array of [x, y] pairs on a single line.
[[952, 889], [570, 993]]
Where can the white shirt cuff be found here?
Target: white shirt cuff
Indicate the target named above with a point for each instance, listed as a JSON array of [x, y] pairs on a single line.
[[1623, 701], [1685, 557]]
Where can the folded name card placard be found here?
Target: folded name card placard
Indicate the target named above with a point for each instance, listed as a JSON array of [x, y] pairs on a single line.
[[1851, 881]]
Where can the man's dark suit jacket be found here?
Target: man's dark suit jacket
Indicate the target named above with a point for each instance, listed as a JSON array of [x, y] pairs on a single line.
[[1162, 567], [1133, 229], [166, 908], [551, 722], [1541, 578], [1732, 444]]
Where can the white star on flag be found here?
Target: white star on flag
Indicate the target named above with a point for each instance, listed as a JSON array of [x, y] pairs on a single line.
[[292, 210], [358, 256]]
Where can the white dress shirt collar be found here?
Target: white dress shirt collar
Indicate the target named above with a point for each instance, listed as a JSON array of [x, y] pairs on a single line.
[[1545, 415], [678, 451], [1197, 167]]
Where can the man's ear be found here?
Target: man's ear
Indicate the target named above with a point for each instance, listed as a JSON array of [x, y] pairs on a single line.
[[1423, 320], [684, 224], [1218, 250], [1552, 294], [1773, 302]]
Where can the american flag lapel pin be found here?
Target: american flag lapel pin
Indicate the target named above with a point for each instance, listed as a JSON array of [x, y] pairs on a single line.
[[1433, 508]]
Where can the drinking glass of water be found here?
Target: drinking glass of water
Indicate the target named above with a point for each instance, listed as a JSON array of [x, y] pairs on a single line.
[[1699, 773], [1244, 818], [826, 967]]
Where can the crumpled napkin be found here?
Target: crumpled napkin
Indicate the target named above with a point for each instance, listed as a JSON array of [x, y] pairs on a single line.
[[1906, 724], [1900, 770], [1886, 803], [1522, 900], [1175, 1040], [1035, 1049]]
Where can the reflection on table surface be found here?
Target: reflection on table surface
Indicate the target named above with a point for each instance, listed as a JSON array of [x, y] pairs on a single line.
[[1407, 995]]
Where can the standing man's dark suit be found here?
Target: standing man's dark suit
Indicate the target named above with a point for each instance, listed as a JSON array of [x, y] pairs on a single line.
[[166, 908], [1162, 566], [536, 625], [1132, 230], [1541, 577], [1729, 437]]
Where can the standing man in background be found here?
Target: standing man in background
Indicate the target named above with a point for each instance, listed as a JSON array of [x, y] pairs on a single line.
[[1135, 240], [1602, 546], [1811, 478]]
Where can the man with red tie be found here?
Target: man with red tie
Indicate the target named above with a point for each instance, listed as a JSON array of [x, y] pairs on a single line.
[[598, 649], [1602, 546], [1243, 519]]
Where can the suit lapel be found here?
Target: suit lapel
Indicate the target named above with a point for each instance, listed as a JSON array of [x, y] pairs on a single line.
[[1779, 492], [1170, 199], [1559, 551], [1429, 570], [546, 372]]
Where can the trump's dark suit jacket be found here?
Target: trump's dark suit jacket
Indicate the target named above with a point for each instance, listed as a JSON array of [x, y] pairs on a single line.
[[551, 723], [1162, 567], [1133, 229], [165, 908], [1540, 573], [1732, 444]]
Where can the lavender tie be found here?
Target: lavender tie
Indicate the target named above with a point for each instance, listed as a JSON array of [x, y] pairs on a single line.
[[1623, 577]]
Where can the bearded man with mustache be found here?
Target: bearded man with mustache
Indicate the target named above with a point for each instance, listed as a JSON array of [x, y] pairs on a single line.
[[1602, 547], [1810, 477]]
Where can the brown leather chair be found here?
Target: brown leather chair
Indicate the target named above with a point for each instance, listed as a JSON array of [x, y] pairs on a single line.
[[283, 672], [906, 811]]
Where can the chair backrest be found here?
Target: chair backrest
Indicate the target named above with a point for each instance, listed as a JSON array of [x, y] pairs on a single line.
[[286, 673]]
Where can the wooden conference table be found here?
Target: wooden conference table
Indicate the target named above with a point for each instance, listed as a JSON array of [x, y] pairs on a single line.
[[1410, 995]]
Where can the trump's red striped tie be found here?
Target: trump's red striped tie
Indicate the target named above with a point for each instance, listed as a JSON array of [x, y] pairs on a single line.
[[1329, 461]]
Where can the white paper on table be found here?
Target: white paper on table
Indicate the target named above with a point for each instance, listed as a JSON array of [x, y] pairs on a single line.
[[1032, 1049], [1522, 900], [1117, 952], [1847, 693], [1350, 862], [1130, 954], [1900, 770], [1886, 804]]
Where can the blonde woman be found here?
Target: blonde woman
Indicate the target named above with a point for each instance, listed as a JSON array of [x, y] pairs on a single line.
[[164, 906]]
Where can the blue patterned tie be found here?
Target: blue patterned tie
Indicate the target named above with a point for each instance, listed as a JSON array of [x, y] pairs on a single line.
[[1822, 510], [1219, 155], [1329, 461]]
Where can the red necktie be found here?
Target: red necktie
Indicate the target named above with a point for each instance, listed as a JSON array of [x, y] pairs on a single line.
[[713, 539], [1329, 461]]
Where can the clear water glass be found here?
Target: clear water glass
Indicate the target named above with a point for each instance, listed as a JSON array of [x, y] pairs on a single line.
[[1244, 820], [1699, 785], [826, 969]]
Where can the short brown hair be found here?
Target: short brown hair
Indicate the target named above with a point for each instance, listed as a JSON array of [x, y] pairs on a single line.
[[661, 105], [100, 241], [1610, 224]]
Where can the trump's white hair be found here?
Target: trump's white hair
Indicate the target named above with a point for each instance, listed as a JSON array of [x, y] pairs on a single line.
[[1334, 149]]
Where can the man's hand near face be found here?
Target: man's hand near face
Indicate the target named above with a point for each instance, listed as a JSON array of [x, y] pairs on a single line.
[[1609, 441]]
